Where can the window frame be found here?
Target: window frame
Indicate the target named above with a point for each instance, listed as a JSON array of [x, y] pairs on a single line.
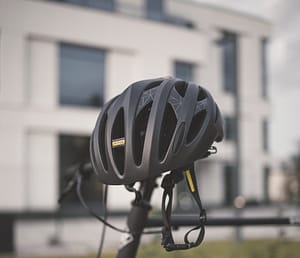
[[264, 68], [229, 62], [106, 5], [71, 206], [67, 53], [265, 135], [266, 183], [230, 183], [231, 126], [155, 10], [192, 67]]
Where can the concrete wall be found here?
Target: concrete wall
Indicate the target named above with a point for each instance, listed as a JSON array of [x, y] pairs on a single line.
[[29, 80], [31, 118], [136, 49]]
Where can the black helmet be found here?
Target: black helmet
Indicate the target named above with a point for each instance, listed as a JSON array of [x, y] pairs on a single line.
[[154, 126]]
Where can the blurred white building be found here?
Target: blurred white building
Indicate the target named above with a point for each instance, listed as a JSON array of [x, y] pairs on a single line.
[[60, 60]]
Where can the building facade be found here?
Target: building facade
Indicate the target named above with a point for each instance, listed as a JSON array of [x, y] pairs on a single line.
[[61, 60]]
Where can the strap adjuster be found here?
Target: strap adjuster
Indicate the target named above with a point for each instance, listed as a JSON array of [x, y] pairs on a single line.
[[168, 184]]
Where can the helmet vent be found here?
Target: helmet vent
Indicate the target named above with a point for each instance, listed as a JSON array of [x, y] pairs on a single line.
[[167, 130], [180, 87], [139, 132], [101, 140], [153, 84], [217, 115], [201, 95], [196, 125], [118, 132]]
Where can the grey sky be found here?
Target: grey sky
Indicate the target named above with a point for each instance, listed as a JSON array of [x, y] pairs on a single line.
[[284, 64]]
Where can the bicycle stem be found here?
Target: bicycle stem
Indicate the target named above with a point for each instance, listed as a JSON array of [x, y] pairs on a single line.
[[136, 221]]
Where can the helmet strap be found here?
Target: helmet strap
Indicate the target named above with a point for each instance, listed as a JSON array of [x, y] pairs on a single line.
[[168, 183]]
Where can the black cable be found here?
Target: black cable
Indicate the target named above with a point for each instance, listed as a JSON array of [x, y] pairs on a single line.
[[92, 213], [105, 194], [81, 199]]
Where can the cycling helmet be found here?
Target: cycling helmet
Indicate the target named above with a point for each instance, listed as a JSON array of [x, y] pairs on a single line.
[[154, 126]]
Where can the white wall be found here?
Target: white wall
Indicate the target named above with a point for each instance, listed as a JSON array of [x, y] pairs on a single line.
[[252, 111], [136, 49], [31, 119], [29, 83], [42, 69], [42, 176]]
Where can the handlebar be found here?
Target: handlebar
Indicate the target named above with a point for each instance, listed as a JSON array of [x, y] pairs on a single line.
[[193, 220]]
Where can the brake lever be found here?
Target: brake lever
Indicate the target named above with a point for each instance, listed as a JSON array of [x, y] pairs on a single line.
[[83, 170]]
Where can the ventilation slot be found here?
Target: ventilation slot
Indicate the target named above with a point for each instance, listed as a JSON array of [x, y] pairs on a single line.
[[201, 95], [217, 114], [180, 87], [196, 125], [118, 132], [101, 141], [139, 132], [167, 130], [153, 85]]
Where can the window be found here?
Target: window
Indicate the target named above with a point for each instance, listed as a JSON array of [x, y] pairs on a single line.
[[229, 61], [230, 184], [184, 71], [81, 75], [155, 10], [230, 128], [266, 176], [264, 72], [74, 149], [265, 135], [107, 5]]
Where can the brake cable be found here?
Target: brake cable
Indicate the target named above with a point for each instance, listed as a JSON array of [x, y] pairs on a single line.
[[83, 172]]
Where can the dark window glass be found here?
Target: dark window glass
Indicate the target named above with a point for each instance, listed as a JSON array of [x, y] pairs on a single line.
[[155, 10], [266, 183], [230, 184], [229, 61], [230, 128], [108, 5], [74, 150], [184, 71], [81, 75], [265, 135], [264, 72]]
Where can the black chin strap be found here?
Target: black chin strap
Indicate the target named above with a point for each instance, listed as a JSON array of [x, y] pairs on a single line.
[[168, 183]]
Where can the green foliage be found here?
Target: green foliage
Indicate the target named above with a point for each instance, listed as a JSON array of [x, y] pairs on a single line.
[[230, 249], [225, 249], [292, 167]]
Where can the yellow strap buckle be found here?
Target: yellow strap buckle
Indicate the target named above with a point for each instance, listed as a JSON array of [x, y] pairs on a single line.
[[190, 180]]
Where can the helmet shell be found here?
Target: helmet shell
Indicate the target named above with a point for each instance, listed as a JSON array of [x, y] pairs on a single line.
[[154, 126]]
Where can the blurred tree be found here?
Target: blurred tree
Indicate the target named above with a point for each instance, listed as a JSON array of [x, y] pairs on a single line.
[[292, 169], [296, 166]]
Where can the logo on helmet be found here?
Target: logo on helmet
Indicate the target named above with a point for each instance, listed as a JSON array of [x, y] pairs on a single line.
[[120, 142]]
